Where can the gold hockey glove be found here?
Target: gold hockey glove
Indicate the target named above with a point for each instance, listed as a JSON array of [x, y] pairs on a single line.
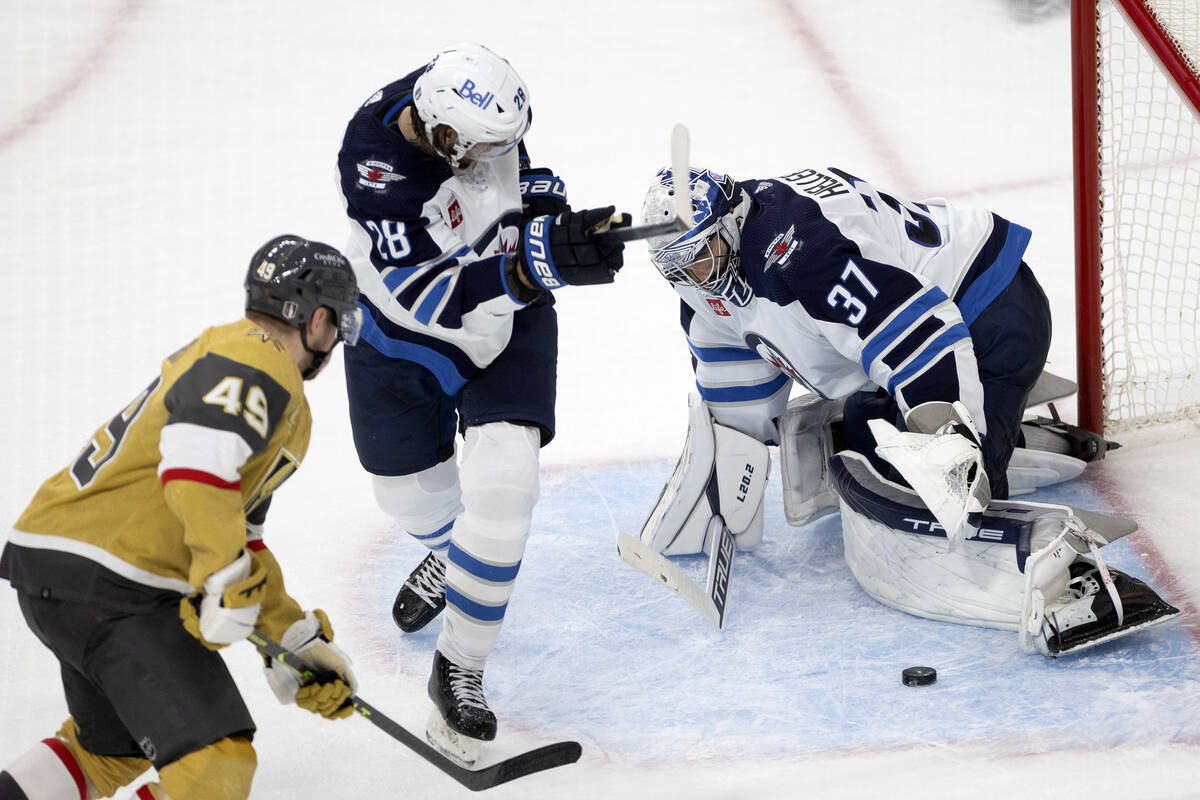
[[230, 605], [311, 638]]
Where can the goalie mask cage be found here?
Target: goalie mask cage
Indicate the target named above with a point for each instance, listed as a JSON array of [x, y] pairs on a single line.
[[1136, 99]]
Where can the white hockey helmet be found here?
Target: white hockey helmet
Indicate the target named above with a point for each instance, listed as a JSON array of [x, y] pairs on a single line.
[[719, 206], [469, 88]]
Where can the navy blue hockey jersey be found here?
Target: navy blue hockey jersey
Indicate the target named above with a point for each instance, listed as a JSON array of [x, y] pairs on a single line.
[[428, 243]]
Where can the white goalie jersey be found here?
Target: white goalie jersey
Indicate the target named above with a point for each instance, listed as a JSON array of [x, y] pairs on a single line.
[[852, 289]]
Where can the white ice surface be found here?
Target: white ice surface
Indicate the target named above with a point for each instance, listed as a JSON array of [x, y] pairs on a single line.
[[147, 147]]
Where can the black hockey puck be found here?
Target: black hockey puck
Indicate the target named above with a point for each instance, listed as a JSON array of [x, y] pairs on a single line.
[[918, 676]]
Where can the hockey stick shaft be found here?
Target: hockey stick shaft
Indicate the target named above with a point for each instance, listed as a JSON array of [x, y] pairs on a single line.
[[554, 755], [629, 234], [681, 221]]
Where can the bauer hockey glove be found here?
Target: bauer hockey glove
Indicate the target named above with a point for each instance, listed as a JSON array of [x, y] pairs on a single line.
[[229, 608], [542, 192], [562, 250], [311, 638]]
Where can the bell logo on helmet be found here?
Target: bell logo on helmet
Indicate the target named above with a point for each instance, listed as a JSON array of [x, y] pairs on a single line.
[[468, 93]]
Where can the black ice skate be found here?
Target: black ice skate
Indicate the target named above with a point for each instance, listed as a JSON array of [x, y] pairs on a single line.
[[1091, 617], [423, 595], [461, 718]]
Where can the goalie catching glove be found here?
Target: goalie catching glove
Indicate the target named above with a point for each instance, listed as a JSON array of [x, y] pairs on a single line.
[[229, 607], [940, 457], [562, 250], [311, 638]]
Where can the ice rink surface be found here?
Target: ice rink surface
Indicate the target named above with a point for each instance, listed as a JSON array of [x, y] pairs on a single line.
[[147, 147]]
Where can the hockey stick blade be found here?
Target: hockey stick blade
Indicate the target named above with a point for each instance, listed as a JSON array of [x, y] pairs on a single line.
[[650, 562], [552, 755]]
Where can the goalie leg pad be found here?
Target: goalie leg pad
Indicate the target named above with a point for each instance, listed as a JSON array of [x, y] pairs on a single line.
[[721, 472], [976, 584], [1031, 469], [979, 583], [805, 447], [1030, 577]]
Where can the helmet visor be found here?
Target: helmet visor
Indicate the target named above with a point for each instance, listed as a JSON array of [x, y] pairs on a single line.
[[350, 325], [693, 259], [488, 151]]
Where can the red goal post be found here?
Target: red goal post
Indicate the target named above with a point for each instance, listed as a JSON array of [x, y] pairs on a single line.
[[1136, 98]]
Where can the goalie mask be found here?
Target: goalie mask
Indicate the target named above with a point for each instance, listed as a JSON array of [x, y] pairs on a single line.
[[290, 277], [719, 206], [478, 94]]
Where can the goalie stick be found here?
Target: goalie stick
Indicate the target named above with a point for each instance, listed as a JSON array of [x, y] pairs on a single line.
[[552, 755], [683, 206], [709, 601]]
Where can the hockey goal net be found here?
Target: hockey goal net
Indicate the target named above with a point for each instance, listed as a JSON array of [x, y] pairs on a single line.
[[1137, 178]]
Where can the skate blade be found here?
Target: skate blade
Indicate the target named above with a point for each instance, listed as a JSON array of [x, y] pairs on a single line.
[[453, 744]]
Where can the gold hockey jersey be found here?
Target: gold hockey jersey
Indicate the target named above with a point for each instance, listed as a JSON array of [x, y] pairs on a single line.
[[159, 498]]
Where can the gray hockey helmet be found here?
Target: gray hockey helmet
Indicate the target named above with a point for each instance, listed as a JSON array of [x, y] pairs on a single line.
[[290, 277]]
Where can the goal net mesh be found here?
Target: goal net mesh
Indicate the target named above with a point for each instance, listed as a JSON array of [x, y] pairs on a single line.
[[1150, 237]]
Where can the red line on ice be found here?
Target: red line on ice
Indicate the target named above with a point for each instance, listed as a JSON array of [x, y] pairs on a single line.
[[1162, 576], [88, 67], [802, 27]]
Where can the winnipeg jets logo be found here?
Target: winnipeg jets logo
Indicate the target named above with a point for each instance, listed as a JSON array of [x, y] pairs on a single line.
[[775, 357], [506, 244], [781, 248], [376, 174]]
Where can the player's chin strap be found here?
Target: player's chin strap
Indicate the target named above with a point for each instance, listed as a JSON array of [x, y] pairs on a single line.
[[318, 356]]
